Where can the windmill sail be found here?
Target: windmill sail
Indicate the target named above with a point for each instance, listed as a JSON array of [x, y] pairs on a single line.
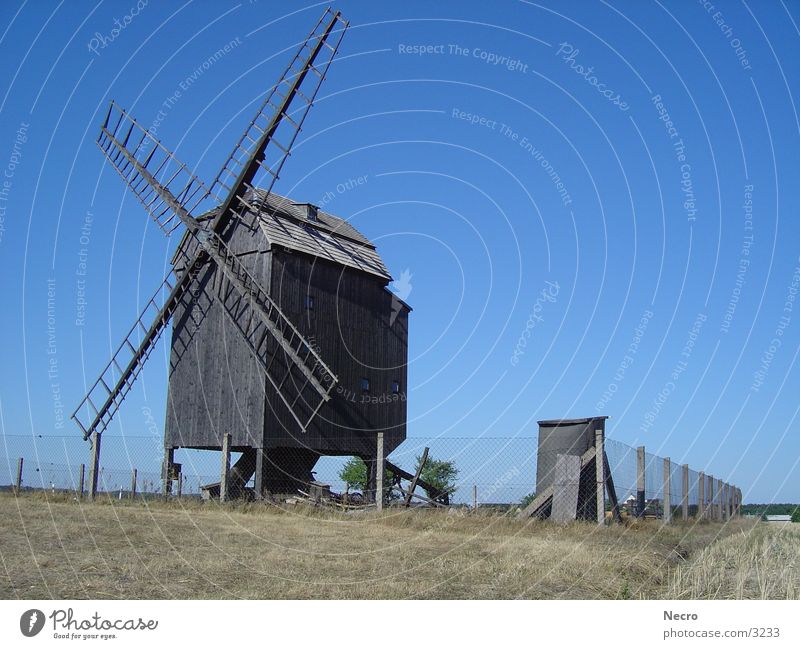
[[147, 165], [170, 193], [275, 122]]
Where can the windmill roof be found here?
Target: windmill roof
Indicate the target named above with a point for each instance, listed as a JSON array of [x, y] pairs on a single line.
[[328, 237]]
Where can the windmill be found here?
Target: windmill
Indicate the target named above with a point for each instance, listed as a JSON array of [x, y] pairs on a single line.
[[242, 324]]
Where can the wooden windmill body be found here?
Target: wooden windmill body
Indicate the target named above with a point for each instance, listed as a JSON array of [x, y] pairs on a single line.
[[286, 343]]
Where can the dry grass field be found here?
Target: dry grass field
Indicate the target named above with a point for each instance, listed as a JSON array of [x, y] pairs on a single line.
[[57, 548]]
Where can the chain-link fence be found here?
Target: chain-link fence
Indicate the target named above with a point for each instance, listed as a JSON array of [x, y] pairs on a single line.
[[495, 471]]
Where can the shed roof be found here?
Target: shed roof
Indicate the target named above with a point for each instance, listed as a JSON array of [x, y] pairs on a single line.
[[328, 237]]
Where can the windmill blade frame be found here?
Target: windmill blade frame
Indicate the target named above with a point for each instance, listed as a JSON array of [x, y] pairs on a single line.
[[133, 164]]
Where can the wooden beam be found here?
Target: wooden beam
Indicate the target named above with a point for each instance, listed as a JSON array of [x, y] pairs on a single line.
[[94, 465], [379, 464], [420, 496], [710, 512], [540, 501], [612, 492], [258, 482], [415, 479], [641, 500], [225, 467], [701, 495], [166, 477], [20, 463], [666, 500], [422, 483], [600, 476], [685, 492]]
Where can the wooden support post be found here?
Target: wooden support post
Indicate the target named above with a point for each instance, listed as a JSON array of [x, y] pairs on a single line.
[[701, 496], [666, 501], [166, 472], [225, 467], [413, 484], [259, 479], [600, 474], [180, 484], [379, 459], [640, 483], [685, 493], [475, 497], [81, 479], [133, 485], [18, 484], [611, 491], [94, 465]]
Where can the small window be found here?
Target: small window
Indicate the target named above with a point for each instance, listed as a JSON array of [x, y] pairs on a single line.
[[365, 385], [309, 302], [395, 387]]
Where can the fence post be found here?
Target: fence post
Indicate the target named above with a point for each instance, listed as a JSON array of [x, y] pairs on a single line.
[[225, 467], [81, 479], [723, 497], [20, 462], [600, 475], [733, 501], [667, 499], [94, 465], [710, 507], [701, 495], [728, 509], [379, 473], [180, 484], [475, 497], [728, 502], [258, 481], [685, 493], [166, 485], [133, 484], [640, 483]]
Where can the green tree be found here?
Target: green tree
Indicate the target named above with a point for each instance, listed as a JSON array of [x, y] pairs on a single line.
[[439, 474], [796, 516], [527, 500], [354, 475]]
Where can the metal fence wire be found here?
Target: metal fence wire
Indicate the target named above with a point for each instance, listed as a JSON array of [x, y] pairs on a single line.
[[487, 471]]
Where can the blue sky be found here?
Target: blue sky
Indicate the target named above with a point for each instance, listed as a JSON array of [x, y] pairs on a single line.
[[596, 203]]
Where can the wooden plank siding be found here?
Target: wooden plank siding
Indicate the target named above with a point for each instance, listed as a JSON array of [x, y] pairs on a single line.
[[216, 386]]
